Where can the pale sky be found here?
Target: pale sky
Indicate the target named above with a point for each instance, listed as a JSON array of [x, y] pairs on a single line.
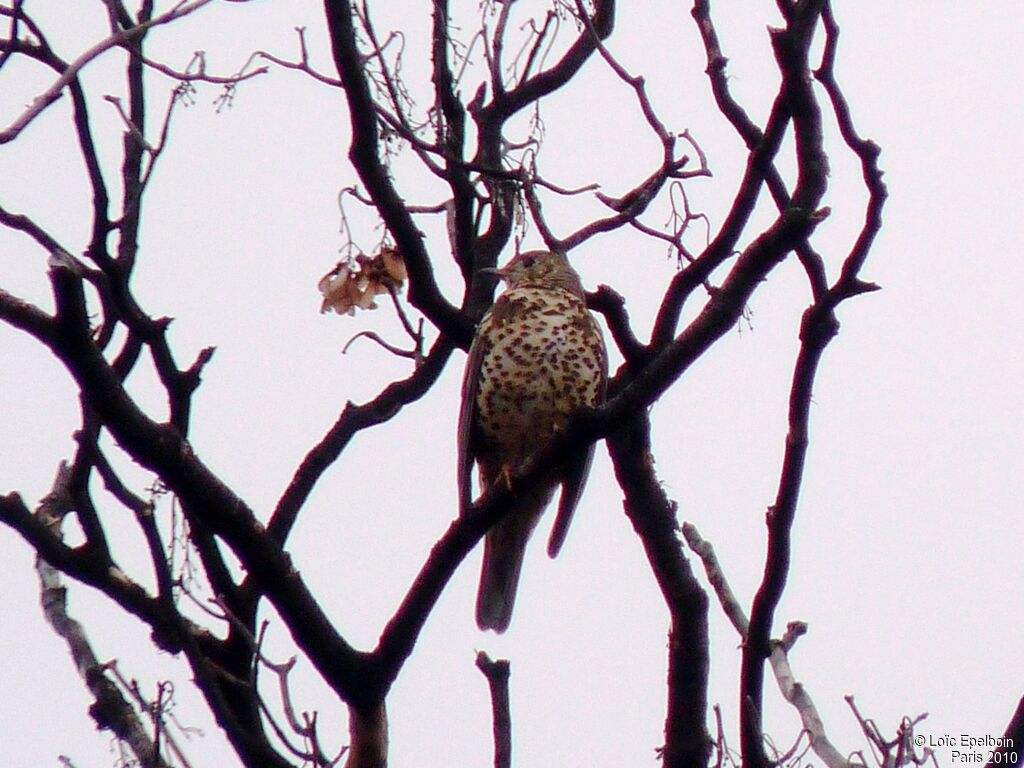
[[906, 547]]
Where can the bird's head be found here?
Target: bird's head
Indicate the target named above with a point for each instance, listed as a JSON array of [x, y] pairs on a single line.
[[540, 269]]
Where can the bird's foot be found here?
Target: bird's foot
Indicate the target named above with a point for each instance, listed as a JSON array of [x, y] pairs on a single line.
[[504, 476]]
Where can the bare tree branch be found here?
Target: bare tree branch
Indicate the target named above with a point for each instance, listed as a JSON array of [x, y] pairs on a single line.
[[1013, 740], [497, 674], [653, 515], [353, 419], [423, 290], [49, 96]]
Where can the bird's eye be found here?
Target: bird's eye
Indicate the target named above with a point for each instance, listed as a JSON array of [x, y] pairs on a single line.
[[528, 262]]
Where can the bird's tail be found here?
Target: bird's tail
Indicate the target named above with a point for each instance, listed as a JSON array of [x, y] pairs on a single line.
[[504, 550]]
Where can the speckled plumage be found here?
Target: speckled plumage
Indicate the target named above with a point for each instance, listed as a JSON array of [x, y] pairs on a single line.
[[537, 357]]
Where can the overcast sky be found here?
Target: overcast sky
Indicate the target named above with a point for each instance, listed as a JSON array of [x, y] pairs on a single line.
[[906, 548]]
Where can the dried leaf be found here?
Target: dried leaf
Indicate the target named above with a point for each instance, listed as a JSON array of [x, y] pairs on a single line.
[[355, 282]]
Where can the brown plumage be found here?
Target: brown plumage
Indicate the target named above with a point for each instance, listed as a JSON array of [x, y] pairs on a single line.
[[537, 357]]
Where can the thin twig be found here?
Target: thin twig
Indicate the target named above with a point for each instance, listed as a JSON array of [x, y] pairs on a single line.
[[48, 96]]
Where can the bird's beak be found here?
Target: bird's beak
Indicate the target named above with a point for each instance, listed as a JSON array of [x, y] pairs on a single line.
[[499, 273]]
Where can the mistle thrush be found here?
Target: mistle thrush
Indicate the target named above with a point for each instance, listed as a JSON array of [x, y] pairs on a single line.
[[537, 357]]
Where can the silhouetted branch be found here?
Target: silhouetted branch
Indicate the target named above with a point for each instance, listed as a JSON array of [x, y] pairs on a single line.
[[353, 419], [817, 331], [818, 327], [368, 735], [610, 303], [529, 90], [376, 338], [23, 223], [27, 316], [302, 65], [759, 164], [306, 729], [751, 134], [1013, 741], [162, 449], [49, 96], [423, 290], [849, 283], [687, 742], [451, 136], [497, 674], [195, 70], [638, 84], [901, 749]]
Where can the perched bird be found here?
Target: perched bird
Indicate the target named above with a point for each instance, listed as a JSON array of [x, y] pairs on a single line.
[[537, 357]]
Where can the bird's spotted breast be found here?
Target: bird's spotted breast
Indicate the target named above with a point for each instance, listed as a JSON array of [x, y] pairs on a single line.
[[542, 360]]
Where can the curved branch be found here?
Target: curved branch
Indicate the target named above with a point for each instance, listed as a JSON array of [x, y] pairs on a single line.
[[610, 303], [1013, 739], [451, 135], [23, 223], [631, 205], [27, 317], [51, 94], [506, 104], [162, 449], [83, 565], [865, 149], [818, 328], [353, 419], [759, 165], [653, 515], [424, 292]]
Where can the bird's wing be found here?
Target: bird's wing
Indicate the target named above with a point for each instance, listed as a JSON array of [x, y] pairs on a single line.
[[467, 448], [575, 474]]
